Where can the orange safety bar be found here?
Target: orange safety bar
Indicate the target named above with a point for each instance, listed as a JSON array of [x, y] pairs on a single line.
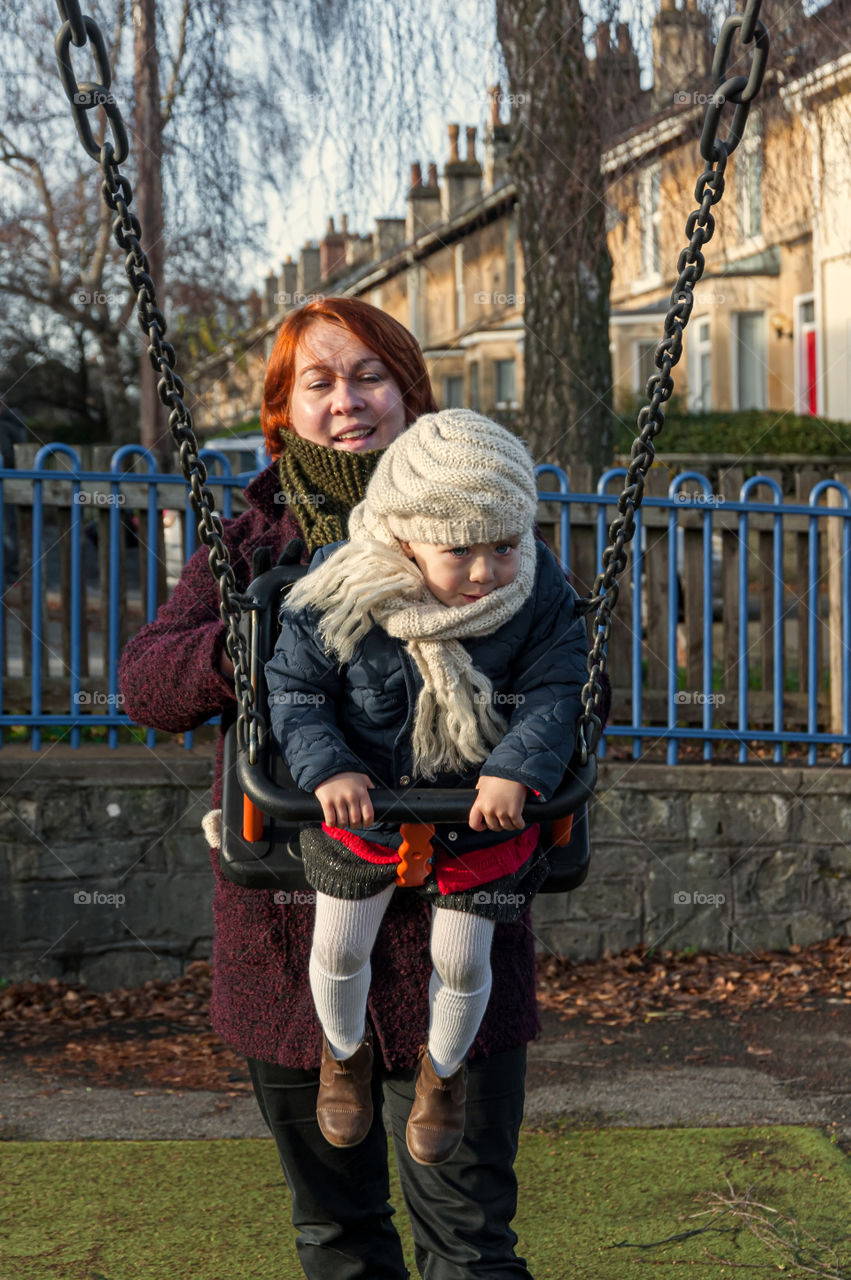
[[252, 821]]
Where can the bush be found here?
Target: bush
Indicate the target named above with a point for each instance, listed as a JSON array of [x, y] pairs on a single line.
[[757, 431]]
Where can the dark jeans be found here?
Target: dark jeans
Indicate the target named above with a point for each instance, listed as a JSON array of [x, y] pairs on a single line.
[[460, 1211]]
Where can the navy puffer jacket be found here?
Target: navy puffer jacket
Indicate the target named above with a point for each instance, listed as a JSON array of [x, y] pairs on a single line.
[[359, 718]]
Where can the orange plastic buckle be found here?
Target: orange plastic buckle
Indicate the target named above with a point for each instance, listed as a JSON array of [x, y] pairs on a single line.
[[415, 853], [561, 830]]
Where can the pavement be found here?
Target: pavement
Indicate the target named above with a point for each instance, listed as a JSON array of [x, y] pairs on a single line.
[[771, 1066]]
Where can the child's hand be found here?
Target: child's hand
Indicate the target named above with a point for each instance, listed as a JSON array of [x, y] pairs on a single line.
[[345, 800], [499, 805]]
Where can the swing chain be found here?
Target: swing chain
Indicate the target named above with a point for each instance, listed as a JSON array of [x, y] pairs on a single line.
[[118, 194], [700, 227]]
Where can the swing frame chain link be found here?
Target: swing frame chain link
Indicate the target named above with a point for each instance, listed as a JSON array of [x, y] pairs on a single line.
[[117, 193], [741, 91]]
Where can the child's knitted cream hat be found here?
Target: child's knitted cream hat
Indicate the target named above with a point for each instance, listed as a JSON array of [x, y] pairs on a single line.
[[453, 478]]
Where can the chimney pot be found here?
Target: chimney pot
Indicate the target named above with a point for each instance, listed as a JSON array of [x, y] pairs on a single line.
[[454, 130], [416, 175], [495, 94], [601, 39], [471, 144], [344, 224], [432, 175]]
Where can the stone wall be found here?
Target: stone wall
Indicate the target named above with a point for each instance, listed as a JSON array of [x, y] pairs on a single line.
[[717, 857], [106, 878]]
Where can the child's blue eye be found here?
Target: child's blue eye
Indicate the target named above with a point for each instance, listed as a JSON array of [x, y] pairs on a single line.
[[458, 552]]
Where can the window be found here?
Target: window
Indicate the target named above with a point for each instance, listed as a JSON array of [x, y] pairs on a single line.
[[700, 369], [474, 387], [510, 253], [459, 287], [749, 181], [643, 364], [748, 363], [453, 392], [648, 210], [505, 379]]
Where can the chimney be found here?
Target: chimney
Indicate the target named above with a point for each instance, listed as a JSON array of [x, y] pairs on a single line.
[[287, 284], [680, 54], [497, 145], [308, 275], [618, 75], [332, 252], [389, 235], [270, 293], [423, 202], [462, 179]]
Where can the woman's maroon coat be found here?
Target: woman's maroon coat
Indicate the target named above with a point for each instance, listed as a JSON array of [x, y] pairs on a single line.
[[262, 1005]]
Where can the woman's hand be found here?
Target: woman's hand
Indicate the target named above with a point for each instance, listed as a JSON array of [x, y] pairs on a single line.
[[345, 800], [499, 806]]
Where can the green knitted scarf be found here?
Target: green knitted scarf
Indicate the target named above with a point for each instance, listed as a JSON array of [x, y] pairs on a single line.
[[322, 485]]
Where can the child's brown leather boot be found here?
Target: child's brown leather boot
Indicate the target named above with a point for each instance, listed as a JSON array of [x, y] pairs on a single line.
[[344, 1101], [436, 1123]]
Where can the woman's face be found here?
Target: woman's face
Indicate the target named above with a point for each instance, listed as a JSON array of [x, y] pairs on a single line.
[[344, 396]]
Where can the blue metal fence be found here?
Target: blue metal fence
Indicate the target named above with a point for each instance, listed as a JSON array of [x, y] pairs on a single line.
[[801, 628]]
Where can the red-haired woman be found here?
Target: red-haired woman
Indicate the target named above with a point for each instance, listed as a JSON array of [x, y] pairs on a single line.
[[343, 381]]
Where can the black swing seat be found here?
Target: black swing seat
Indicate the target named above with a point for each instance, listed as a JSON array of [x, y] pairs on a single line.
[[274, 861]]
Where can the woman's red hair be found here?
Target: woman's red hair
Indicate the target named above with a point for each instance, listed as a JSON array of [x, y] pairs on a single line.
[[389, 339]]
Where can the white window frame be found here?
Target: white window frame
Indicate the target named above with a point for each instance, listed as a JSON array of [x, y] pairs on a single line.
[[751, 159], [734, 357], [699, 347], [649, 213]]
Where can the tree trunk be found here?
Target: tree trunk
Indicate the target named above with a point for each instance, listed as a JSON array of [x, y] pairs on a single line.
[[119, 415], [555, 160], [149, 205]]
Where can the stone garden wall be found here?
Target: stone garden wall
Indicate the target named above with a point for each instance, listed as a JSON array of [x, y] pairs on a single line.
[[105, 879]]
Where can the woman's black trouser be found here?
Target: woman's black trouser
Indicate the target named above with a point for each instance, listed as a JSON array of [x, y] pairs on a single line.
[[460, 1211]]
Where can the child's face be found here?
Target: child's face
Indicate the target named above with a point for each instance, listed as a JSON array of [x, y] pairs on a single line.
[[462, 575]]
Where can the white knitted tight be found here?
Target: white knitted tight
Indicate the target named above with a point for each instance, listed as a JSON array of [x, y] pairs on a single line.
[[340, 973]]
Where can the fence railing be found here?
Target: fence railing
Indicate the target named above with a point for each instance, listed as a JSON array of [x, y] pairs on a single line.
[[732, 633]]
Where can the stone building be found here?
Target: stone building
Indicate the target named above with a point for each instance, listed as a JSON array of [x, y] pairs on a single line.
[[771, 325]]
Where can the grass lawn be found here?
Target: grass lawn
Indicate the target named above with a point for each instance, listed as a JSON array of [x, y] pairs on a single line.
[[219, 1210]]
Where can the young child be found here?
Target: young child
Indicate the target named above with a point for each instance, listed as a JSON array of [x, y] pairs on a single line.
[[440, 646]]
